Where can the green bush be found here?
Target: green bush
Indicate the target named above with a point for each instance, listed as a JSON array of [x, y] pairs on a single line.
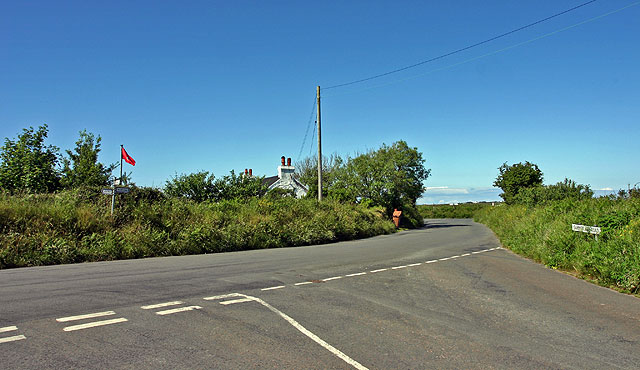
[[544, 234], [76, 226], [465, 210]]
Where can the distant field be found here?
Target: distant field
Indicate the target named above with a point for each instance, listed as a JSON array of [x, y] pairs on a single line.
[[465, 210]]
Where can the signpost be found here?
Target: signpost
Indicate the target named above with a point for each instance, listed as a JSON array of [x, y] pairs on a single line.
[[587, 229], [115, 190], [107, 191]]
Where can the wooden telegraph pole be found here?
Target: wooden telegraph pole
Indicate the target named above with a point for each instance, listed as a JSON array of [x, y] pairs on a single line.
[[319, 150]]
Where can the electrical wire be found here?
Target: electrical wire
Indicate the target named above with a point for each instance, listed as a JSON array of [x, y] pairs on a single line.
[[461, 49], [306, 134], [490, 53]]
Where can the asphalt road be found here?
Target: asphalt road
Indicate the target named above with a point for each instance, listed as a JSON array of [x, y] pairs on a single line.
[[446, 296]]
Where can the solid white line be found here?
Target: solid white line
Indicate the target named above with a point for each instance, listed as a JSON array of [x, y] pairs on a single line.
[[8, 328], [159, 305], [241, 300], [378, 270], [176, 310], [432, 261], [94, 324], [304, 283], [12, 339], [312, 336], [332, 278], [87, 316], [273, 287], [356, 274], [399, 267], [414, 264], [223, 296]]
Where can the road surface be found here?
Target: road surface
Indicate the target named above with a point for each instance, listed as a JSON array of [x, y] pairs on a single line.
[[445, 296]]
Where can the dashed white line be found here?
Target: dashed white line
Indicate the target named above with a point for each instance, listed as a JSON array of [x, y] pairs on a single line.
[[94, 324], [458, 256], [378, 270], [466, 254], [176, 310], [160, 305], [444, 259], [399, 267], [303, 283], [87, 316], [8, 328], [12, 339], [356, 274], [415, 264], [332, 278], [273, 287], [432, 261], [241, 300]]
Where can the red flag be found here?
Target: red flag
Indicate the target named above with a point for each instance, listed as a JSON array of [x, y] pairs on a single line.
[[127, 158]]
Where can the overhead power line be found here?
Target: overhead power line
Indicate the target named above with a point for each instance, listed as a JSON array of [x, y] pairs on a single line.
[[490, 53], [461, 49], [313, 109]]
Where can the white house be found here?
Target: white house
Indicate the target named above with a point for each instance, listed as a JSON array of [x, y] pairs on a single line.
[[286, 180]]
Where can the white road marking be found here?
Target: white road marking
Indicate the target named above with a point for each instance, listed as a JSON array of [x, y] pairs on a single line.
[[476, 252], [273, 287], [241, 300], [309, 334], [176, 310], [8, 328], [159, 305], [223, 296], [87, 316], [455, 256], [378, 270], [12, 339], [304, 283], [356, 274], [332, 278], [94, 324], [444, 259], [466, 254], [415, 264], [432, 261], [399, 267]]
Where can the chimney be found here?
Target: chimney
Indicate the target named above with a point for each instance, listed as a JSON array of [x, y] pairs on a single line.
[[289, 162], [250, 172], [282, 160], [246, 172]]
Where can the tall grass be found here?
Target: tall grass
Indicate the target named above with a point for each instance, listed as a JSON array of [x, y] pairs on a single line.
[[543, 233], [75, 226]]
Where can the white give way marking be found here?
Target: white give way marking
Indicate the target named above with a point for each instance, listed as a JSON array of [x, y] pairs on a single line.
[[292, 322]]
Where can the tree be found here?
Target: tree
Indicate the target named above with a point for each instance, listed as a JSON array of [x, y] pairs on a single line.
[[82, 166], [307, 173], [391, 176], [28, 164], [198, 186], [512, 179], [240, 187]]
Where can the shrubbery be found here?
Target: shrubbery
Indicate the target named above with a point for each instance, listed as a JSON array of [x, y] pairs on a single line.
[[464, 210], [75, 226], [544, 234]]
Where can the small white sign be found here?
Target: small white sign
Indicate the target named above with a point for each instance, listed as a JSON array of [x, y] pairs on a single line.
[[586, 229], [107, 191]]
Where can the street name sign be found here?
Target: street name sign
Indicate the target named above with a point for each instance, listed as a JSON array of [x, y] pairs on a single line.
[[122, 190], [586, 229], [107, 191]]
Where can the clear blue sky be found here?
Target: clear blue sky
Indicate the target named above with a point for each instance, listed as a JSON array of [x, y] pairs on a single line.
[[229, 85]]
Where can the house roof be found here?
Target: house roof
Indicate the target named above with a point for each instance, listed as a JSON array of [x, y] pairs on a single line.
[[268, 181]]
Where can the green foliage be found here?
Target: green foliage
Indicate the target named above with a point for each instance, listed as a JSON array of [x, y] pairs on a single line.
[[202, 186], [28, 165], [82, 168], [391, 177], [75, 226], [540, 194], [199, 186], [544, 234], [464, 210], [512, 179]]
